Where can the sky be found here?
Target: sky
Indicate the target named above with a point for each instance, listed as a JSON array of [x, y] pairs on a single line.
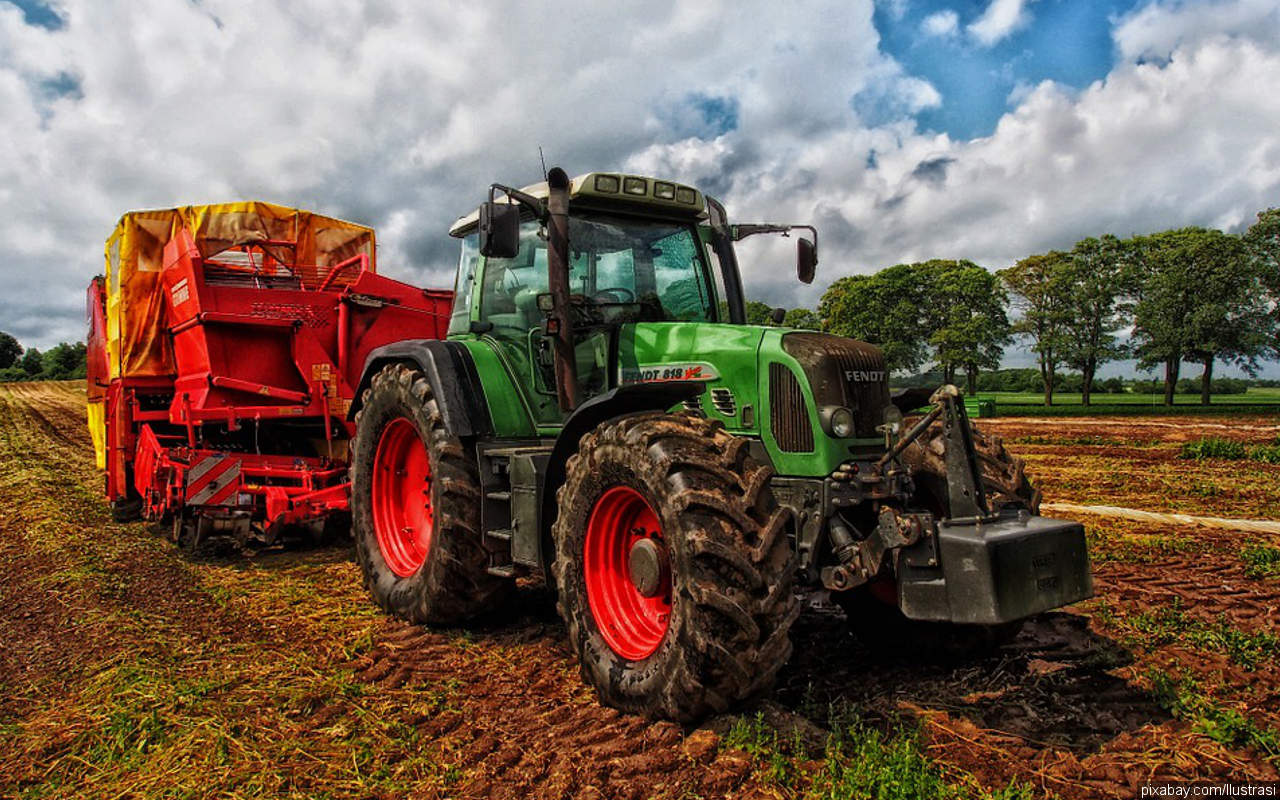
[[904, 129]]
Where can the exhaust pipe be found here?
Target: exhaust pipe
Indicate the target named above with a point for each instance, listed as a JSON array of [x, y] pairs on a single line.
[[560, 323]]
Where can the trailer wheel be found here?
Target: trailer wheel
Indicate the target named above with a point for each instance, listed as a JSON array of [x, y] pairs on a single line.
[[1004, 476], [674, 566], [126, 509], [415, 506]]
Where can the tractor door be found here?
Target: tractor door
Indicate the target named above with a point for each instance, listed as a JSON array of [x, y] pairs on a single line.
[[506, 294], [621, 270]]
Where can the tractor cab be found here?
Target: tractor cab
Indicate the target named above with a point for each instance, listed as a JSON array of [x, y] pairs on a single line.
[[640, 251]]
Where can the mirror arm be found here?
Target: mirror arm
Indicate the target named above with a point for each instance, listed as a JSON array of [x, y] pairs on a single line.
[[538, 207], [740, 232]]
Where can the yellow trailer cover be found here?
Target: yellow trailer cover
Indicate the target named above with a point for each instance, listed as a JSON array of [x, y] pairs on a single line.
[[137, 344]]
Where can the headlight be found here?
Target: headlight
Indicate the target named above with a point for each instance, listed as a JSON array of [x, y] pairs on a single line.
[[838, 421]]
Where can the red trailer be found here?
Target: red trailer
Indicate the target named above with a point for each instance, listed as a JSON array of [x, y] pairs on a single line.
[[225, 346]]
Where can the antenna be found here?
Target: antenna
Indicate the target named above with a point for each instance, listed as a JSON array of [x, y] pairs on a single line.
[[544, 162]]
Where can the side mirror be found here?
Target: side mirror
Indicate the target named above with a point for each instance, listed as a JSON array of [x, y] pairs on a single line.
[[499, 230], [777, 315], [806, 260]]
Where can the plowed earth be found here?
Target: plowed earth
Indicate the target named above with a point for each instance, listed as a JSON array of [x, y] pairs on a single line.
[[128, 670]]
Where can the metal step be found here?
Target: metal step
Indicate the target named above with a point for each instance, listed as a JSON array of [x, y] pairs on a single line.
[[503, 570], [503, 496], [501, 534]]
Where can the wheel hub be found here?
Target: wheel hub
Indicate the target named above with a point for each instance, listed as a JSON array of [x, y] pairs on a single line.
[[626, 567], [649, 567], [400, 497]]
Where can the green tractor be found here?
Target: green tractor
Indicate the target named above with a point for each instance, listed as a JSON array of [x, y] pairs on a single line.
[[601, 415]]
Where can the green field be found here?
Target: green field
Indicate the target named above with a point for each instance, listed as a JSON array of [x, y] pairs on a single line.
[[1254, 401]]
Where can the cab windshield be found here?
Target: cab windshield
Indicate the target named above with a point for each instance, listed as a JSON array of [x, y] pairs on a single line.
[[624, 268]]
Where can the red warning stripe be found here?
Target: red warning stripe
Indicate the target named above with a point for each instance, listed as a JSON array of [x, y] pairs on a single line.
[[213, 481]]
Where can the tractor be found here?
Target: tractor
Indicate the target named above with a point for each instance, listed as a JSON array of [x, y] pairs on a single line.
[[600, 415]]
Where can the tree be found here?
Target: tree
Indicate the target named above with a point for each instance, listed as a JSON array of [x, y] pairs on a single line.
[[884, 309], [965, 316], [1232, 319], [1263, 243], [802, 318], [1192, 303], [1041, 287], [64, 361], [10, 350], [1263, 240], [1097, 272], [32, 362], [759, 313]]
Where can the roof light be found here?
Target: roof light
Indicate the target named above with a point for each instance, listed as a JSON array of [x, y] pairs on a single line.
[[664, 191], [686, 195], [635, 186], [607, 183]]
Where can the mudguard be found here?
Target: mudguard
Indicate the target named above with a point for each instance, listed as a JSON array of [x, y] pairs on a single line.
[[450, 371], [629, 399]]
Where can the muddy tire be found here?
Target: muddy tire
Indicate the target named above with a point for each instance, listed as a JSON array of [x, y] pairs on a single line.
[[415, 507], [709, 624], [1004, 477]]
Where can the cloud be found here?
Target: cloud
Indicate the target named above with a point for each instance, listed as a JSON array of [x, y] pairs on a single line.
[[1156, 29], [392, 112], [1001, 18], [941, 24], [1191, 140], [896, 9], [368, 112]]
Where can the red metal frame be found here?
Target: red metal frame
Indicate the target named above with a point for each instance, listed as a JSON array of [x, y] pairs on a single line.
[[251, 349]]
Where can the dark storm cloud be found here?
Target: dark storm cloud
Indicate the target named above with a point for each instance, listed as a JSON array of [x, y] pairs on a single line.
[[933, 170]]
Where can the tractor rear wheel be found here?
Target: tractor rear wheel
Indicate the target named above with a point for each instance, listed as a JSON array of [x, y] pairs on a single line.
[[674, 566], [415, 506]]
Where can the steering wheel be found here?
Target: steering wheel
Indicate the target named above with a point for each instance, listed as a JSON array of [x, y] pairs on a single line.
[[616, 292]]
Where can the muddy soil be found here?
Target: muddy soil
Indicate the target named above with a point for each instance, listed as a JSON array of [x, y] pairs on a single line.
[[128, 670]]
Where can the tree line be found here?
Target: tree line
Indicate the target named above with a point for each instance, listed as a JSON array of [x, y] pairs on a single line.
[[61, 362], [1193, 295]]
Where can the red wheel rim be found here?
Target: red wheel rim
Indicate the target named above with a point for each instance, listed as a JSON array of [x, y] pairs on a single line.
[[632, 624], [401, 497]]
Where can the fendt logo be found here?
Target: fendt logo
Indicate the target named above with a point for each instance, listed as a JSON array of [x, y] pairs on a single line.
[[864, 375]]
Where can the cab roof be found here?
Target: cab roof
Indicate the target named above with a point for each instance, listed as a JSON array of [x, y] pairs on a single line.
[[615, 189]]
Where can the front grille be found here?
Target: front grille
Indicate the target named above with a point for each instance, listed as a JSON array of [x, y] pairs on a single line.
[[789, 415], [843, 372]]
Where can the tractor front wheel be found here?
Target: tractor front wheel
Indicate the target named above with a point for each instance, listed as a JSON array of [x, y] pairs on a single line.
[[674, 566], [415, 506]]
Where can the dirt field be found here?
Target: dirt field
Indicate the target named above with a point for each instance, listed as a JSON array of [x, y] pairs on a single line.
[[128, 671]]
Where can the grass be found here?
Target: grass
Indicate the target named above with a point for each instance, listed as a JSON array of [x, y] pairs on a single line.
[[1260, 560], [859, 762], [1184, 699], [1255, 400], [1171, 625], [1229, 449], [1107, 544]]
